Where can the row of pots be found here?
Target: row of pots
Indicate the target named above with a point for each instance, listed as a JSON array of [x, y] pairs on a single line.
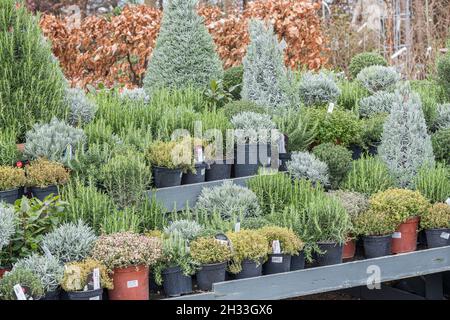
[[10, 196]]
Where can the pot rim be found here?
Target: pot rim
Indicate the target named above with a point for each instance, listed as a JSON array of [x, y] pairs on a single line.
[[379, 237], [438, 229], [165, 168], [134, 268], [10, 190]]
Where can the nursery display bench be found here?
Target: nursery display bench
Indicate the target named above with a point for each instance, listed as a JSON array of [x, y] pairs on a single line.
[[426, 264]]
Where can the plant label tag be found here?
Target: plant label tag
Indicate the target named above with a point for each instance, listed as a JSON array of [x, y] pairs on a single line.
[[330, 107], [448, 201], [198, 151], [95, 298], [237, 227], [277, 259], [397, 235], [18, 290], [222, 242], [445, 235], [132, 284], [276, 248], [96, 278], [203, 172]]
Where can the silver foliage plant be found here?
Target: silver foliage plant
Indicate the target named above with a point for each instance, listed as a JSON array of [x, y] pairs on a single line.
[[304, 165], [380, 102], [405, 145], [266, 78], [55, 141], [227, 200], [7, 224], [82, 110], [47, 268], [136, 94], [378, 78], [253, 127], [184, 54], [70, 241], [318, 89], [442, 117], [186, 229]]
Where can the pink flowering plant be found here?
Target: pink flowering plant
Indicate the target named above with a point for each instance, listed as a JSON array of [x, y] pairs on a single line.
[[126, 249]]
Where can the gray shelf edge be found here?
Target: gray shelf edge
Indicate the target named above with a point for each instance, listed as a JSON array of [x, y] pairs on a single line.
[[329, 278], [180, 197]]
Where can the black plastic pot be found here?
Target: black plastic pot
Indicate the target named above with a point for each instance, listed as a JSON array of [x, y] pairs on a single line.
[[197, 177], [153, 286], [53, 295], [250, 269], [164, 177], [264, 154], [332, 254], [373, 150], [357, 151], [377, 246], [209, 274], [83, 295], [298, 262], [42, 193], [219, 170], [246, 160], [438, 238], [284, 158], [9, 196], [277, 263], [175, 282]]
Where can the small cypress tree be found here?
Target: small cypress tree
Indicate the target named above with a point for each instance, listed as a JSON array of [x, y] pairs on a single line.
[[405, 145], [31, 82], [184, 54], [266, 78]]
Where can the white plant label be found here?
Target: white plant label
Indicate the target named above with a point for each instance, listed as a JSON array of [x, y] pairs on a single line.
[[19, 292], [132, 284], [203, 172], [448, 201], [199, 154], [222, 242], [445, 235], [237, 227], [397, 235], [96, 278], [277, 259], [330, 107], [276, 248], [95, 298]]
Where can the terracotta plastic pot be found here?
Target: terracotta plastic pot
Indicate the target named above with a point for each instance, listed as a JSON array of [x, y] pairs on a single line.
[[130, 283], [404, 238], [348, 252], [3, 271]]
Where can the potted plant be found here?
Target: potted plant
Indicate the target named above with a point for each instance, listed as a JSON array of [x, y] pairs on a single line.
[[305, 165], [11, 180], [79, 282], [355, 203], [128, 256], [167, 164], [218, 165], [30, 283], [47, 269], [436, 223], [175, 268], [249, 252], [212, 255], [7, 229], [376, 229], [44, 177], [404, 208], [282, 245], [195, 168]]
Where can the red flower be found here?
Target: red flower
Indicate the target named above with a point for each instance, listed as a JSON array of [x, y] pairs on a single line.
[[19, 164]]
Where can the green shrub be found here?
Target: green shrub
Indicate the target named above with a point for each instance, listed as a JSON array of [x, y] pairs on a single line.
[[82, 110], [9, 154], [442, 120], [32, 84], [372, 129], [255, 223], [304, 165], [77, 275], [368, 175], [289, 241], [232, 78], [364, 60], [24, 277], [186, 229], [42, 173], [354, 202], [443, 72], [351, 93], [431, 94], [380, 102], [125, 220], [436, 217], [184, 53], [162, 154], [11, 178], [378, 78], [338, 160], [299, 129], [253, 128], [209, 251], [441, 145], [434, 183], [374, 223], [318, 89], [235, 107]]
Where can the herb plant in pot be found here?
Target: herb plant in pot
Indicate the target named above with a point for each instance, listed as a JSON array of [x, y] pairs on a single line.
[[128, 256], [404, 208], [85, 280], [11, 180], [436, 223], [212, 256], [44, 177], [218, 165], [175, 268], [31, 285], [282, 245], [249, 252], [197, 173], [376, 229]]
